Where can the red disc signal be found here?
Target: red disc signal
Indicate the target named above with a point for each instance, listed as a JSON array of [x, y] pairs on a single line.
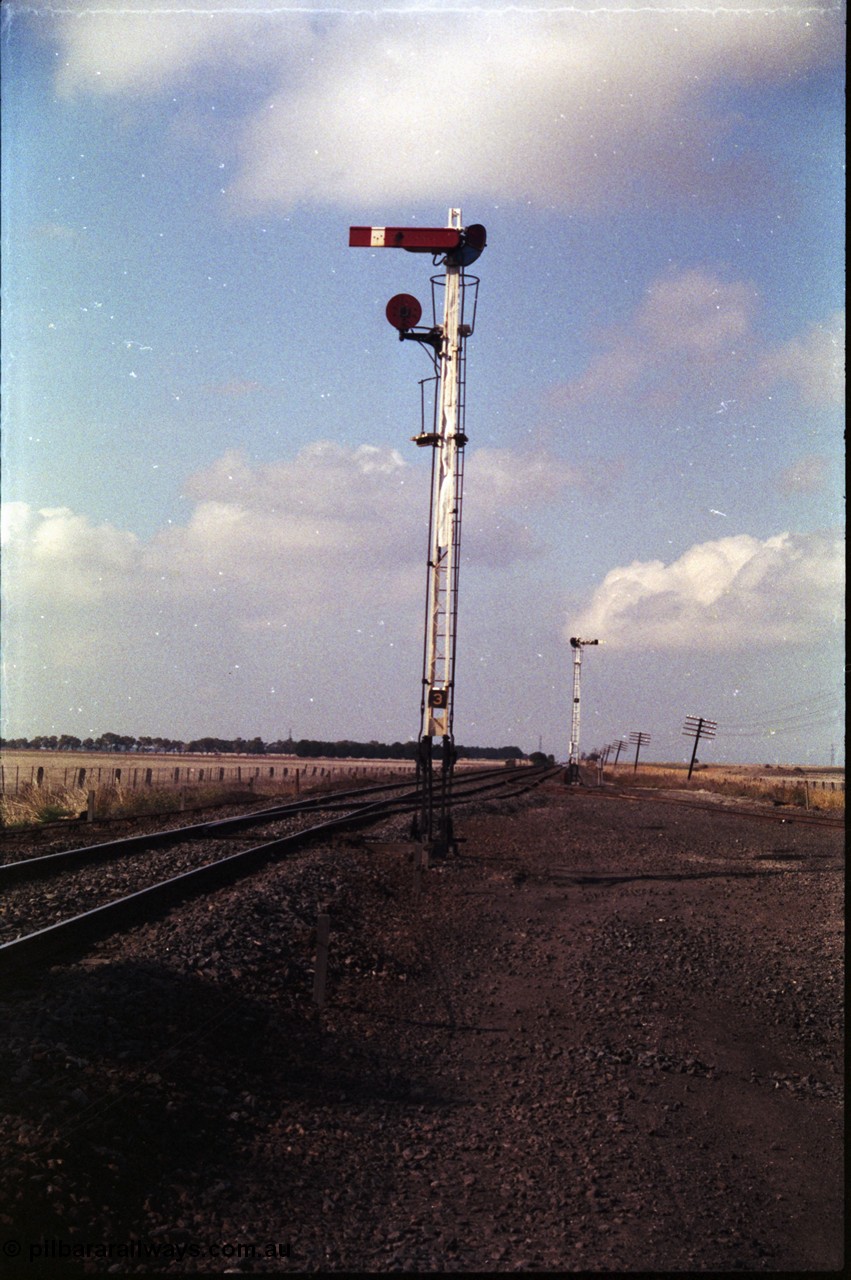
[[403, 311]]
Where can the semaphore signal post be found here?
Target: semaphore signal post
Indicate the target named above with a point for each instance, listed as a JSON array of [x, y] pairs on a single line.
[[442, 428], [577, 645]]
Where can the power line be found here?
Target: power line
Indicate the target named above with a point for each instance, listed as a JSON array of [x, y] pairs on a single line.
[[805, 713]]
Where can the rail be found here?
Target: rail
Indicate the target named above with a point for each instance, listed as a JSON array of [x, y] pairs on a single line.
[[26, 955]]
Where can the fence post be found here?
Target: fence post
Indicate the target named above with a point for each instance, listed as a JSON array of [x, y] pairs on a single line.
[[320, 973], [90, 810], [420, 861]]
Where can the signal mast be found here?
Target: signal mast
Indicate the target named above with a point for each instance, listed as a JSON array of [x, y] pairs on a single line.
[[453, 247], [573, 756]]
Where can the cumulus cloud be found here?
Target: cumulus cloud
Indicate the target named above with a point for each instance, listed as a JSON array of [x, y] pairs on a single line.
[[145, 47], [805, 475], [502, 489], [730, 594], [565, 107], [813, 363], [61, 556], [502, 478], [691, 328], [695, 334], [331, 529]]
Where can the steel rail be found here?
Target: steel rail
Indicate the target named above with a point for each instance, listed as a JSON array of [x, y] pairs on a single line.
[[29, 953], [28, 869], [44, 864]]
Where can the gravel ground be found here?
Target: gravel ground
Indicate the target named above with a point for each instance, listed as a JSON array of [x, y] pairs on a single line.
[[607, 1037]]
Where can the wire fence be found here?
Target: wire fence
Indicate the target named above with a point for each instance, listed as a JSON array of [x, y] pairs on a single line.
[[14, 778]]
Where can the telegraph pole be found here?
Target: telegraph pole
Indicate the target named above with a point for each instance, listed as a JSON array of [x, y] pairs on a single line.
[[453, 247], [639, 739], [573, 755], [697, 727]]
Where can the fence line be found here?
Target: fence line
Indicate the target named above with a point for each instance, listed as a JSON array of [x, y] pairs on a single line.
[[14, 779]]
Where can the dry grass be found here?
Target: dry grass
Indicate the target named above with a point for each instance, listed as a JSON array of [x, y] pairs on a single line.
[[33, 806], [60, 796], [794, 786]]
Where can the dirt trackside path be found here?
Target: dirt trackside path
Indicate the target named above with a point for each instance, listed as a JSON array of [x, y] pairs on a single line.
[[625, 1051]]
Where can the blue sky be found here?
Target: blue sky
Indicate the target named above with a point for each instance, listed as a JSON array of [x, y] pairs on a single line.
[[214, 519]]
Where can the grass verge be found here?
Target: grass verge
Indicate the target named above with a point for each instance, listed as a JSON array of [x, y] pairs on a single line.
[[35, 806], [804, 793]]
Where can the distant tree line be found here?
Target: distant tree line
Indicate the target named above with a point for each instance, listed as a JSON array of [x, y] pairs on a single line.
[[306, 748]]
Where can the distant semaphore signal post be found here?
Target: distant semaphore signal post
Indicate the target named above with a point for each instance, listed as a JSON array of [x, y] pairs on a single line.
[[442, 428], [577, 646]]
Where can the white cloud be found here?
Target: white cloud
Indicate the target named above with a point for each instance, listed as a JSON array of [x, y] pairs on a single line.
[[334, 529], [502, 491], [730, 594], [134, 46], [501, 478], [62, 557], [813, 363], [304, 577], [561, 107], [807, 474], [696, 313], [331, 528], [690, 328], [696, 334]]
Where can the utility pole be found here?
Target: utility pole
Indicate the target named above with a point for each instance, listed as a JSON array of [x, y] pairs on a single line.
[[573, 754], [697, 727], [639, 739], [453, 247]]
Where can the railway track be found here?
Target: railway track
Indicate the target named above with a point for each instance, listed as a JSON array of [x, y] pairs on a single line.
[[782, 815], [62, 903]]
